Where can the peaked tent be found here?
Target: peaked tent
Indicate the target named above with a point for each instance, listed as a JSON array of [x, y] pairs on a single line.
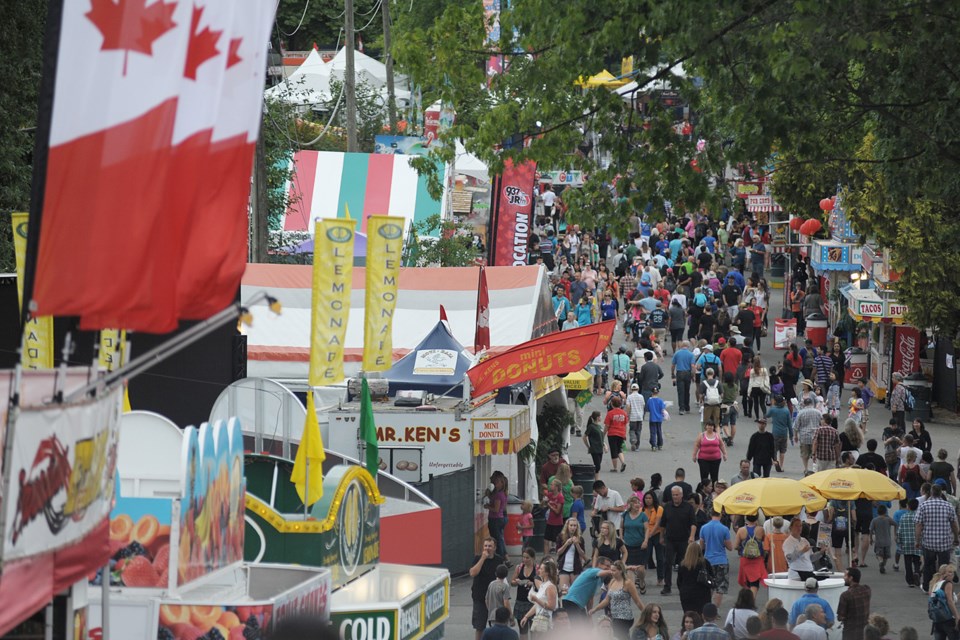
[[438, 365]]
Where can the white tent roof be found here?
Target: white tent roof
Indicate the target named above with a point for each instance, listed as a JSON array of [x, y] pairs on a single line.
[[279, 346], [630, 88], [310, 83], [470, 164], [312, 64]]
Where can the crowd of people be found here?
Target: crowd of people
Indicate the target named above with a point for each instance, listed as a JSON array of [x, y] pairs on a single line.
[[695, 305]]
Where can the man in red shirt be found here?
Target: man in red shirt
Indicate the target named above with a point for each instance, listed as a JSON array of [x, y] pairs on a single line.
[[616, 428], [730, 356]]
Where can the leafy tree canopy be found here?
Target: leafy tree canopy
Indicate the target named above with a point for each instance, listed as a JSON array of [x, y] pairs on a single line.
[[860, 94]]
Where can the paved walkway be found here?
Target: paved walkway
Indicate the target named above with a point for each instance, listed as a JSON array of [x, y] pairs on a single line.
[[891, 597]]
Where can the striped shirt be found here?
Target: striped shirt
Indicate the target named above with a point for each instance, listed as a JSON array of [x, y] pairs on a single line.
[[635, 406]]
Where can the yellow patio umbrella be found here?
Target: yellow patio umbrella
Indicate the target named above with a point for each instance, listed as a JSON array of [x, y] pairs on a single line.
[[853, 484], [774, 496], [578, 380], [603, 79], [850, 484]]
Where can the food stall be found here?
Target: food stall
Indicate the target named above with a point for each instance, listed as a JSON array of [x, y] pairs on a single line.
[[177, 571], [893, 345]]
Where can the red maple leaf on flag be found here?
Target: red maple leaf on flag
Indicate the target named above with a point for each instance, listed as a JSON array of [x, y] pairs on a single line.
[[202, 47], [233, 55], [130, 25]]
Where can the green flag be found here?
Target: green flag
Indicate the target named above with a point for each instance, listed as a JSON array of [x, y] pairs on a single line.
[[368, 431]]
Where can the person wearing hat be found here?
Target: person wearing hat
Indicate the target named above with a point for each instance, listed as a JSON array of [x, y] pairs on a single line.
[[635, 408], [761, 449], [809, 597]]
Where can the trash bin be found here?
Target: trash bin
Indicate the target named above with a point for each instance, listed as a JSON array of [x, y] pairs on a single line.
[[777, 268], [816, 330], [511, 535], [583, 475], [859, 367], [922, 391]]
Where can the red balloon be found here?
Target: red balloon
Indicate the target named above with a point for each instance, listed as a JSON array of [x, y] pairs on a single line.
[[796, 223], [826, 204]]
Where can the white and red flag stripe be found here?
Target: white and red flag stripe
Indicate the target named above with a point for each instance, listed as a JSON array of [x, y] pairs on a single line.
[[156, 112]]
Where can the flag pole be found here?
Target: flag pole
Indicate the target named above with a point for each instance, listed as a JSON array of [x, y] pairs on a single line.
[[41, 153]]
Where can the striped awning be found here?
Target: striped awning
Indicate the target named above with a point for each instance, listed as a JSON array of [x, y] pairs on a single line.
[[500, 447], [762, 204], [501, 433]]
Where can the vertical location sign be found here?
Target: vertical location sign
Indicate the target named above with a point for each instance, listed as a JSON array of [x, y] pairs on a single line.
[[38, 334], [514, 219], [384, 246], [332, 282]]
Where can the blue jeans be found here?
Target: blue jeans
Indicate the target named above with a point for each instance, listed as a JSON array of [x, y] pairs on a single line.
[[496, 527], [656, 434]]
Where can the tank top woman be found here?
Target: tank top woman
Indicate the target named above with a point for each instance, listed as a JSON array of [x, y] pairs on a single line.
[[709, 448]]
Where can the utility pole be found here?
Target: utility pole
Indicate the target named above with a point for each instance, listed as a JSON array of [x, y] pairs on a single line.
[[391, 96], [259, 248], [350, 80]]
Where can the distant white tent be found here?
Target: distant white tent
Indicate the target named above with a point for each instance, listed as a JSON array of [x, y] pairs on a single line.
[[661, 84], [310, 83]]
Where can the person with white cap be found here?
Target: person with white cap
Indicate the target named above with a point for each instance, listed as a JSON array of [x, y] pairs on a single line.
[[635, 408], [809, 597]]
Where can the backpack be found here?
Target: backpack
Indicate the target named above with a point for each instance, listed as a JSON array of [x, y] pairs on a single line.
[[751, 548], [909, 402], [937, 608], [712, 395], [711, 362], [621, 269]]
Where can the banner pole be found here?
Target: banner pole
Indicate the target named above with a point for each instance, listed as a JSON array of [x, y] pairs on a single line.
[[163, 351]]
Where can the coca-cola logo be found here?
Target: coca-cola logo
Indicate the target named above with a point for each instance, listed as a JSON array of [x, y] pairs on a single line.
[[908, 353]]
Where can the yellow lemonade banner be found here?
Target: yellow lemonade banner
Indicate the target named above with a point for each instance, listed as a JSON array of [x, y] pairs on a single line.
[[384, 248], [332, 283], [38, 334], [113, 346]]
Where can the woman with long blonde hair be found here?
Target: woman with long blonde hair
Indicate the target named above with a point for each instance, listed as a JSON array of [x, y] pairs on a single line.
[[570, 553], [943, 581], [620, 596]]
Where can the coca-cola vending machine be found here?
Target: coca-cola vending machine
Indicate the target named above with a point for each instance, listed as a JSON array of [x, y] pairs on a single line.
[[907, 350]]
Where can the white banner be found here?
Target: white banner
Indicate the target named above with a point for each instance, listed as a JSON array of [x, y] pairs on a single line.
[[60, 476]]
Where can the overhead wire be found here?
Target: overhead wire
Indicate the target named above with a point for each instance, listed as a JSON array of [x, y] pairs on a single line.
[[300, 24]]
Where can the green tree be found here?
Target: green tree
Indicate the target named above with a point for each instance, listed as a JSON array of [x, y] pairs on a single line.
[[441, 243], [301, 23], [802, 84], [21, 49]]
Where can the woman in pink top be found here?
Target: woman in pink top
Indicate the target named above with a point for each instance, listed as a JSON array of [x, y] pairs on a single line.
[[708, 451]]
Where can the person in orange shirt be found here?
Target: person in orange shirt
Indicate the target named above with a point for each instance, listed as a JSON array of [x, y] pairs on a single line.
[[773, 544]]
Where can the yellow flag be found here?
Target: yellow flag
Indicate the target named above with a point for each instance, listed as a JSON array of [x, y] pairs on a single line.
[[113, 344], [126, 399], [332, 283], [384, 249], [307, 472], [38, 334]]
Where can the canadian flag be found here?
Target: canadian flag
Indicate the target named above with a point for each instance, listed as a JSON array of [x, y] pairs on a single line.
[[156, 110]]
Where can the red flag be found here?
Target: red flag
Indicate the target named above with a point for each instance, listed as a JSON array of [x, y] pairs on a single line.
[[553, 354], [144, 216], [481, 338], [513, 215], [443, 314]]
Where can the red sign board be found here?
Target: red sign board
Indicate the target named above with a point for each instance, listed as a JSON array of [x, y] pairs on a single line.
[[514, 219], [551, 355], [906, 351]]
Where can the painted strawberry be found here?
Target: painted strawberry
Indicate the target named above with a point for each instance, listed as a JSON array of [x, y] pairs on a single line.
[[184, 631], [162, 560], [164, 578], [138, 572]]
